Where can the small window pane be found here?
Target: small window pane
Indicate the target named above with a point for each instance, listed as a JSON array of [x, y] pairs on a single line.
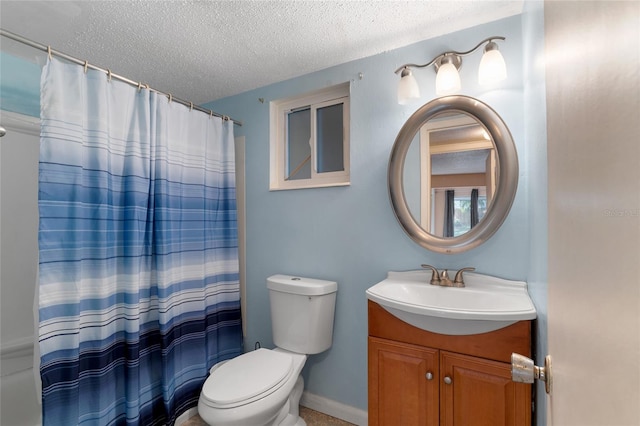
[[462, 213], [329, 144], [298, 149]]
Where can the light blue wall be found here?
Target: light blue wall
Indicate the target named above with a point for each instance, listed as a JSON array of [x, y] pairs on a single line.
[[19, 85], [349, 234], [536, 156]]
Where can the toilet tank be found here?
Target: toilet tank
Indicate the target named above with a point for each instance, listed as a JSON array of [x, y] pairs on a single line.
[[302, 311]]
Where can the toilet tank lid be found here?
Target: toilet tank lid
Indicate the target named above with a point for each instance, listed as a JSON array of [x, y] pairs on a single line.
[[299, 285]]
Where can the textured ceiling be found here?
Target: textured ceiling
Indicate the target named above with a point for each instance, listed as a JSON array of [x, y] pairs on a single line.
[[205, 50]]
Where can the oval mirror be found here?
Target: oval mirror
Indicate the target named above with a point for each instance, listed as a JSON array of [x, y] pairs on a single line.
[[453, 174]]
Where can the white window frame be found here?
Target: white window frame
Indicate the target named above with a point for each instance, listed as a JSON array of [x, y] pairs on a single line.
[[278, 138]]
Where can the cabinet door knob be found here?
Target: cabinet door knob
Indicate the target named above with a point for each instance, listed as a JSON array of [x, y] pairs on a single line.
[[429, 375], [448, 380]]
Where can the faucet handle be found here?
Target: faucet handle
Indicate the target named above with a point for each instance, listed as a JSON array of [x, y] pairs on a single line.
[[458, 281], [435, 276]]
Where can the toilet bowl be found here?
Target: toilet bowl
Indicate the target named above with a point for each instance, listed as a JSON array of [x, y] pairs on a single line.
[[254, 390], [263, 387]]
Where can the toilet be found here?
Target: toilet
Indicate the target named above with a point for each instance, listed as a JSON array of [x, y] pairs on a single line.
[[264, 386]]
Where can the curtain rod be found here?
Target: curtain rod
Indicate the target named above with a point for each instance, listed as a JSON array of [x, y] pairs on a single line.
[[85, 64]]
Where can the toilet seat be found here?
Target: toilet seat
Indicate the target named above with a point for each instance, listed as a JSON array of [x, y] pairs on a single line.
[[247, 378]]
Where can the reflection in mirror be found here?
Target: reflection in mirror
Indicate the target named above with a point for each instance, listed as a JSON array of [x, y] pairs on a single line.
[[450, 174], [452, 127]]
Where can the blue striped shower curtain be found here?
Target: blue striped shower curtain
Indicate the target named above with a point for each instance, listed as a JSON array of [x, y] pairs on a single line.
[[139, 291]]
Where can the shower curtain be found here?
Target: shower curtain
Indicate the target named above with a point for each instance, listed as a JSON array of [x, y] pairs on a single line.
[[138, 291]]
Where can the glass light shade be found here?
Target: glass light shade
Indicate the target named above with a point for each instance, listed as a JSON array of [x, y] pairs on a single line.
[[447, 79], [407, 88], [492, 67]]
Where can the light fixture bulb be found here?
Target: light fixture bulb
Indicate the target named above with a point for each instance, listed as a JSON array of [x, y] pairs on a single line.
[[447, 79], [407, 87], [492, 66]]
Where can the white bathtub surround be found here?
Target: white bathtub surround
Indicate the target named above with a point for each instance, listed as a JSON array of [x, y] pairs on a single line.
[[19, 258], [18, 395]]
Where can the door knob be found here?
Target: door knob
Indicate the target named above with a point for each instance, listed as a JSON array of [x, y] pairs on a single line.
[[523, 370], [448, 380], [429, 375]]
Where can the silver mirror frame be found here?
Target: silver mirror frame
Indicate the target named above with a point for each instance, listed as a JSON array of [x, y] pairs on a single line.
[[507, 174]]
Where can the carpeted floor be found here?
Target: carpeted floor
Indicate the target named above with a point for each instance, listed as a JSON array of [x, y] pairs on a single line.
[[316, 418], [313, 418]]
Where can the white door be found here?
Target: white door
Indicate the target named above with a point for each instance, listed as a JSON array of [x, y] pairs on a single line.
[[592, 54]]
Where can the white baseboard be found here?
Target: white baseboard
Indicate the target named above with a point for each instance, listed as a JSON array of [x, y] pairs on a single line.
[[335, 409]]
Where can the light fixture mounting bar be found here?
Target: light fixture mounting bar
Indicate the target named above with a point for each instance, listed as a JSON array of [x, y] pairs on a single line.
[[454, 53]]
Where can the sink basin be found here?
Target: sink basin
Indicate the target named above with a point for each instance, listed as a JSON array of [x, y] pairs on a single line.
[[485, 304]]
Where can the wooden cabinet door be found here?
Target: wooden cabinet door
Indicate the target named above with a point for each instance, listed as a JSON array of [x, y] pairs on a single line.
[[403, 384], [481, 393]]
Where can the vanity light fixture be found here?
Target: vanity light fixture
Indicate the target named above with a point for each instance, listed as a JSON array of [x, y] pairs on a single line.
[[492, 70]]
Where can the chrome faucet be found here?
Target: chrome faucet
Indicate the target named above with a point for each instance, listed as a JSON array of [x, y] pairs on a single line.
[[442, 279]]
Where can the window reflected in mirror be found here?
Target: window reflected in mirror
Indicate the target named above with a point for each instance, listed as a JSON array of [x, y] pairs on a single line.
[[452, 180], [454, 211]]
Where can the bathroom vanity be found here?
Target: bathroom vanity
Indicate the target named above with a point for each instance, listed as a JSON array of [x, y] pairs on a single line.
[[417, 377], [440, 350]]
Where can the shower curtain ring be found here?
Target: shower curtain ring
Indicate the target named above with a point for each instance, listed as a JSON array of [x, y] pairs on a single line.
[[109, 76], [86, 66], [190, 106], [49, 52], [139, 86], [170, 97]]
